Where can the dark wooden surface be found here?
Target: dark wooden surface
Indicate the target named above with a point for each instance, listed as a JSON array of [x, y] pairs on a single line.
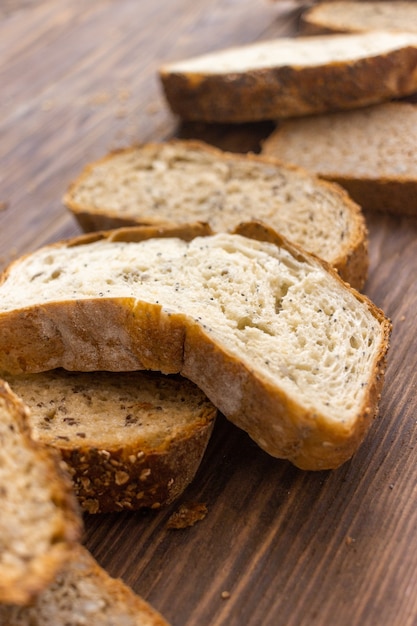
[[290, 548]]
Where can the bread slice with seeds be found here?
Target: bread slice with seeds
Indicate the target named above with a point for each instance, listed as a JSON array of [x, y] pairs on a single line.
[[183, 181], [83, 593], [292, 77], [276, 340], [130, 439], [39, 521], [348, 16], [370, 152]]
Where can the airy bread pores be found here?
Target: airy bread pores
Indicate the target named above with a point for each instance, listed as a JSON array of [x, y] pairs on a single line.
[[276, 340]]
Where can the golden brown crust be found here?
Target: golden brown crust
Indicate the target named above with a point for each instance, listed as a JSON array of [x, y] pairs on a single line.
[[150, 338], [83, 587], [142, 466], [352, 262], [396, 196], [287, 91], [20, 587]]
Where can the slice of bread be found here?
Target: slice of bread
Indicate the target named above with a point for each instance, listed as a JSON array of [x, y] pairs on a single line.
[[84, 594], [130, 439], [344, 16], [370, 152], [290, 77], [181, 181], [272, 335], [39, 521]]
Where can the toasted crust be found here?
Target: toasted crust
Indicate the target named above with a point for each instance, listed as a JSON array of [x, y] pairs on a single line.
[[142, 455], [290, 91], [84, 589], [149, 337], [351, 259], [20, 583]]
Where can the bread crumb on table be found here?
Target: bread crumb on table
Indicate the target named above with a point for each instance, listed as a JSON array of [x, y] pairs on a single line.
[[225, 595], [187, 515]]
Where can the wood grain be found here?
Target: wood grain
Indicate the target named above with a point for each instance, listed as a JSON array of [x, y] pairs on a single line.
[[289, 548]]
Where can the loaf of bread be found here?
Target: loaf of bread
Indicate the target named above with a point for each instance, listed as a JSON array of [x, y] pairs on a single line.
[[370, 152], [345, 17], [83, 594], [39, 521], [290, 77], [181, 181], [274, 338], [130, 439]]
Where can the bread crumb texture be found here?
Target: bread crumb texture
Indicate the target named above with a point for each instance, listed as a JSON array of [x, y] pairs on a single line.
[[266, 316], [84, 594], [178, 182], [130, 439]]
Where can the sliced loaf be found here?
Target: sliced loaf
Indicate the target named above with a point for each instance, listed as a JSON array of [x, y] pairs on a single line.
[[39, 521], [181, 181], [290, 77], [370, 152], [277, 341], [84, 594], [130, 439], [345, 16]]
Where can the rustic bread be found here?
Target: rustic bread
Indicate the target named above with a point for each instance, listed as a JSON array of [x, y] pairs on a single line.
[[345, 16], [83, 594], [277, 341], [370, 152], [39, 521], [130, 439], [178, 181], [290, 77]]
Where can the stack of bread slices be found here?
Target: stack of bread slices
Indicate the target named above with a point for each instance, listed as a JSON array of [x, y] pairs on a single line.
[[214, 282]]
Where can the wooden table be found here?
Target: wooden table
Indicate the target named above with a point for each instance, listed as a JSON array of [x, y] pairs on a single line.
[[289, 548]]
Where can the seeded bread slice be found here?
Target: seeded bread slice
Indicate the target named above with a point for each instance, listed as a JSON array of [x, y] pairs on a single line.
[[277, 341], [130, 439], [370, 152], [345, 16], [181, 181], [83, 593], [290, 77], [39, 521]]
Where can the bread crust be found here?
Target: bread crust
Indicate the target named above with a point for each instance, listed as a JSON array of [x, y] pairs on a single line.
[[150, 338], [373, 183], [290, 91], [136, 470], [352, 262], [94, 596], [20, 586]]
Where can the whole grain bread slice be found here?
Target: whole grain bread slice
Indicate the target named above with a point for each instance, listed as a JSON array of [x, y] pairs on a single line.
[[39, 522], [370, 152], [83, 593], [272, 335], [291, 77], [348, 16], [176, 182], [130, 439]]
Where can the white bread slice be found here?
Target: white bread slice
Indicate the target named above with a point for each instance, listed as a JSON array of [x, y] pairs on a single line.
[[84, 594], [277, 341], [130, 439], [181, 181], [350, 16], [39, 521], [290, 77], [370, 152]]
